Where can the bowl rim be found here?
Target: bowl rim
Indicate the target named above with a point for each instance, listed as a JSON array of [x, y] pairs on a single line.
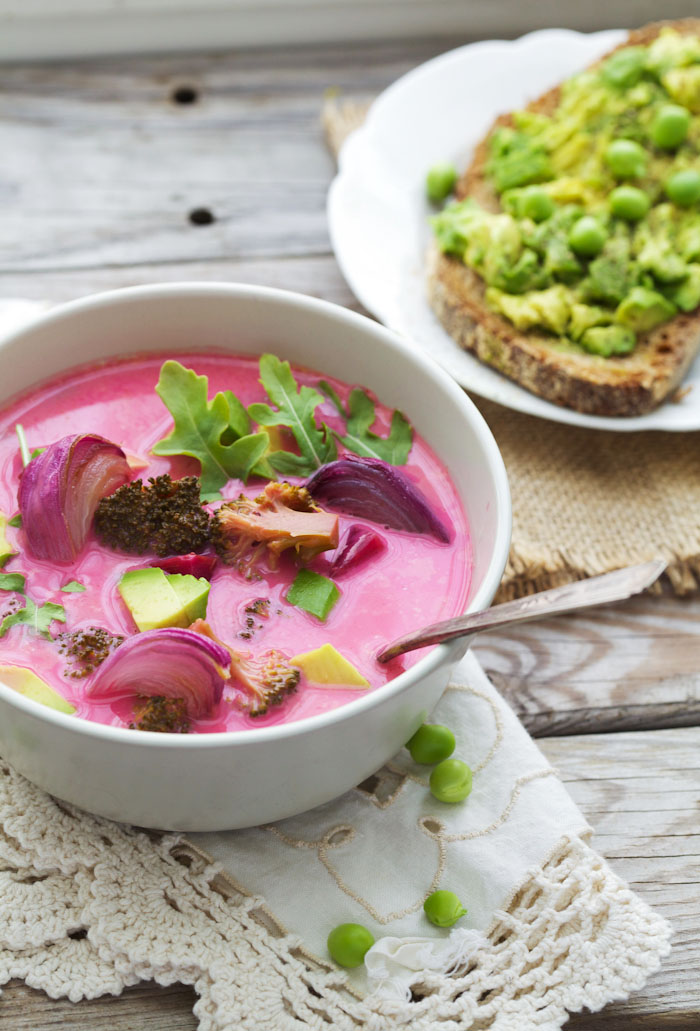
[[428, 367]]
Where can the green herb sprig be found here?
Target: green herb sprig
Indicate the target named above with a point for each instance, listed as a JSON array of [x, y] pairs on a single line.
[[37, 617], [218, 432], [295, 409], [359, 417], [215, 432]]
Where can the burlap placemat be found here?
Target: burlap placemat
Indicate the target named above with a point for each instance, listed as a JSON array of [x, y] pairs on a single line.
[[584, 501]]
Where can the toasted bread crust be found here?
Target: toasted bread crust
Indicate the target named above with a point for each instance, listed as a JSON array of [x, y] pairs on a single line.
[[618, 386]]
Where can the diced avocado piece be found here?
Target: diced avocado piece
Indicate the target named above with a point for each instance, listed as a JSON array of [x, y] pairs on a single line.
[[325, 665], [585, 316], [192, 591], [608, 340], [548, 308], [686, 295], [525, 274], [659, 258], [157, 599], [560, 261], [5, 549], [313, 593], [683, 84], [27, 683], [516, 160], [672, 48], [689, 239], [608, 280], [642, 309]]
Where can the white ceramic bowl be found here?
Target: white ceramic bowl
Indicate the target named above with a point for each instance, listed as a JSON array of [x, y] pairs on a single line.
[[243, 778]]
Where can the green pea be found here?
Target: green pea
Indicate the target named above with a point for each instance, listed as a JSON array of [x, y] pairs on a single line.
[[683, 188], [670, 126], [440, 182], [431, 743], [443, 908], [587, 236], [625, 159], [348, 943], [629, 202], [451, 781], [536, 204]]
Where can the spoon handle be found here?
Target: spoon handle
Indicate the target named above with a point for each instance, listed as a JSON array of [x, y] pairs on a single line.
[[597, 590]]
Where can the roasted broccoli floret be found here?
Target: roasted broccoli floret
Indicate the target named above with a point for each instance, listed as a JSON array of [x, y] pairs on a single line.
[[267, 680], [162, 715], [86, 649], [165, 516], [283, 516]]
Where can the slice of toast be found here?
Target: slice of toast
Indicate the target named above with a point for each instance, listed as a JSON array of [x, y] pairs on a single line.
[[627, 385]]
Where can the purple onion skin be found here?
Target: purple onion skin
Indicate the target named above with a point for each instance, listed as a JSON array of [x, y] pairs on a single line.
[[372, 489], [170, 662], [358, 545], [61, 488]]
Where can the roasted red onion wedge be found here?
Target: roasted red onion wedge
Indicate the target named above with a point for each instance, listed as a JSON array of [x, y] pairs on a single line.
[[168, 663], [358, 545], [195, 565], [61, 488], [372, 489]]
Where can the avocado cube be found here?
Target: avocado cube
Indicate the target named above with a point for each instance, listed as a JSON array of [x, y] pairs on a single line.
[[192, 591], [157, 599], [27, 683], [325, 665], [608, 340], [686, 295], [642, 309]]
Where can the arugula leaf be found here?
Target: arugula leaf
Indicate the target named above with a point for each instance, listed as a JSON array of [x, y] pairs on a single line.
[[73, 587], [359, 416], [15, 521], [209, 431], [37, 617], [295, 409], [12, 582]]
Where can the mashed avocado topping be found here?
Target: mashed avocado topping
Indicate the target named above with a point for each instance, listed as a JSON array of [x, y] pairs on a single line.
[[598, 236]]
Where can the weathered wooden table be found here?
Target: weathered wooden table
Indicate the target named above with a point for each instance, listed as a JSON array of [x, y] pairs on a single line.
[[214, 168]]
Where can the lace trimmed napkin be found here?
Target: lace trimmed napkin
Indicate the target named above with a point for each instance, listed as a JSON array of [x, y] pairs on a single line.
[[89, 907]]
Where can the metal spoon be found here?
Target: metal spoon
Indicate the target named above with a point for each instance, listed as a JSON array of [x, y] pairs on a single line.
[[597, 590]]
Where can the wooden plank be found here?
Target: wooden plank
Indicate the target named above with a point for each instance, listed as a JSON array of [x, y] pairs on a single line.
[[146, 1007], [100, 167], [628, 667], [317, 275], [640, 791]]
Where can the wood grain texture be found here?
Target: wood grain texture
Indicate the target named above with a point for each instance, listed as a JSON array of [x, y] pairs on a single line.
[[634, 666], [101, 168], [100, 171]]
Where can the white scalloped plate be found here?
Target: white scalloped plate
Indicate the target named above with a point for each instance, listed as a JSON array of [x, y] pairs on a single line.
[[378, 214]]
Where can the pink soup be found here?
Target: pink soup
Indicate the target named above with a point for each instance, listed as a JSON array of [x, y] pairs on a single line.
[[414, 581]]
